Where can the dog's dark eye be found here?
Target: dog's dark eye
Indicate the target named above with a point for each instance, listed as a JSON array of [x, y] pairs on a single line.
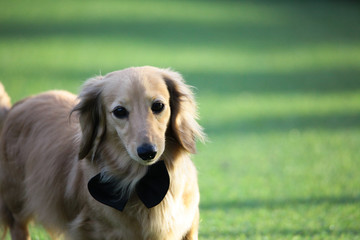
[[120, 112], [157, 107]]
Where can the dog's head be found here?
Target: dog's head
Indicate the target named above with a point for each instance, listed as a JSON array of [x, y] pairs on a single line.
[[135, 113]]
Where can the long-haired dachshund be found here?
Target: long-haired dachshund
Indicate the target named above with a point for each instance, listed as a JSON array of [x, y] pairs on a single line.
[[113, 163]]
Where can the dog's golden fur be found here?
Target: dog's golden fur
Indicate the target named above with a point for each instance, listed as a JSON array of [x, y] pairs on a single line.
[[53, 143]]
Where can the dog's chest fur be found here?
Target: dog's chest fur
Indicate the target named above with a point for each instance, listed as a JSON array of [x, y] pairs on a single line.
[[168, 220], [135, 222]]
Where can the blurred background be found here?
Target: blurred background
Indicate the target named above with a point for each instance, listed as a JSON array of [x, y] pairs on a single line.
[[278, 87]]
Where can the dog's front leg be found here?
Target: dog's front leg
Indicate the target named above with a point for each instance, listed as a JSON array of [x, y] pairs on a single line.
[[192, 234]]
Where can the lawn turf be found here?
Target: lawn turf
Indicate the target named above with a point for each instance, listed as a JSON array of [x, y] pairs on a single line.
[[278, 86]]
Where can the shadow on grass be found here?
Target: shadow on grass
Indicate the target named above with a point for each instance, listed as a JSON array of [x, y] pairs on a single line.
[[286, 124], [296, 24], [278, 203], [296, 31], [316, 81]]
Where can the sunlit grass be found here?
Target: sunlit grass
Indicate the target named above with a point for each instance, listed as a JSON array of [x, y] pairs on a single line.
[[277, 85], [246, 106], [191, 12], [281, 185], [102, 54]]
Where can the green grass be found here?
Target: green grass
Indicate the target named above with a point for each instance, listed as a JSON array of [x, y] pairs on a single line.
[[278, 85]]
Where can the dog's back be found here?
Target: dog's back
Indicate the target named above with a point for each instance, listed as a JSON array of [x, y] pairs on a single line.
[[37, 181]]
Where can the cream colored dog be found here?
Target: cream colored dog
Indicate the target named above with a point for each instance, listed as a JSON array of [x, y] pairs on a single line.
[[112, 164]]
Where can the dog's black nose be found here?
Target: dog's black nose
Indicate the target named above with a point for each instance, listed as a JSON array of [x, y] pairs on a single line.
[[147, 151]]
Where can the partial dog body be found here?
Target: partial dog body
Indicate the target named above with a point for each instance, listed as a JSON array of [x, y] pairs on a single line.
[[52, 144]]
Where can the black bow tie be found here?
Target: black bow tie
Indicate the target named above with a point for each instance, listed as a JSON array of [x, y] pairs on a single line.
[[151, 189]]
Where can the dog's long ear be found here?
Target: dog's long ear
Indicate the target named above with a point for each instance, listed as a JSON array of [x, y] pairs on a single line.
[[183, 123], [91, 117]]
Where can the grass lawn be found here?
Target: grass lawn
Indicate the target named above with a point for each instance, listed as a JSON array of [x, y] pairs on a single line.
[[278, 85]]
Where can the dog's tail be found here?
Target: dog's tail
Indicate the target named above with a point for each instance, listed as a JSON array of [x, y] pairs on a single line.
[[4, 109], [4, 105]]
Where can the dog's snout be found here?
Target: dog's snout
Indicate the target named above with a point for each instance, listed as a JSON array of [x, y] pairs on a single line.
[[147, 151]]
